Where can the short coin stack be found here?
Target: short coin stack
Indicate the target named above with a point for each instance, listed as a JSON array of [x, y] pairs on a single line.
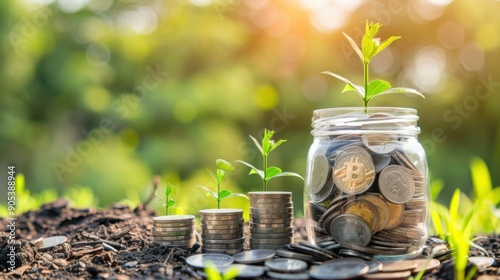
[[175, 231], [222, 231], [271, 219]]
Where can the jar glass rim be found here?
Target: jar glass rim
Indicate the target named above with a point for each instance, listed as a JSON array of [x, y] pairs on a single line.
[[330, 112]]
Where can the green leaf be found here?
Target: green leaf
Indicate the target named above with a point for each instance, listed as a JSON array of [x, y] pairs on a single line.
[[384, 45], [368, 43], [214, 194], [168, 189], [220, 175], [272, 172], [258, 145], [288, 174], [170, 203], [276, 145], [231, 273], [481, 180], [254, 170], [212, 272], [224, 193], [354, 46], [401, 90], [267, 143], [375, 87], [224, 165], [359, 89], [436, 187]]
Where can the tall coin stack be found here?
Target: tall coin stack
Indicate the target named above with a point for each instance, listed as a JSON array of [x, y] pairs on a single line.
[[271, 219], [174, 231], [222, 231]]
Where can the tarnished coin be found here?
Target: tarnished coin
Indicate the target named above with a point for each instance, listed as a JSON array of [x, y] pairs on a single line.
[[354, 173], [316, 254], [204, 260], [326, 192], [396, 184], [427, 265], [49, 242], [366, 210], [339, 270], [272, 205], [320, 173], [399, 265], [221, 217], [222, 231], [223, 246], [286, 265], [254, 202], [281, 225], [174, 221], [173, 233], [396, 216], [288, 276], [351, 229], [351, 253], [254, 256], [174, 238], [382, 208], [294, 255], [272, 216], [266, 246], [399, 275], [227, 227], [271, 230], [272, 221], [286, 210], [271, 235]]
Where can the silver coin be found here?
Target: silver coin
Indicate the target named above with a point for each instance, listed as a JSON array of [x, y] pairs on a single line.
[[173, 233], [174, 238], [396, 184], [275, 225], [374, 266], [380, 161], [222, 236], [269, 194], [254, 256], [227, 227], [215, 211], [223, 246], [482, 262], [204, 260], [221, 251], [288, 276], [294, 255], [381, 143], [320, 173], [339, 270], [49, 242], [286, 210], [350, 229], [271, 230], [272, 205], [267, 241], [326, 192], [286, 265], [173, 218], [266, 246]]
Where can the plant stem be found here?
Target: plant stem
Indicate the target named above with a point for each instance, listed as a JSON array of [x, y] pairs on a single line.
[[218, 195], [166, 206], [365, 75], [264, 160]]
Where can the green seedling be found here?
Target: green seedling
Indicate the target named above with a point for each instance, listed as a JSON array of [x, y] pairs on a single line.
[[223, 167], [268, 172], [214, 274], [169, 200], [370, 46]]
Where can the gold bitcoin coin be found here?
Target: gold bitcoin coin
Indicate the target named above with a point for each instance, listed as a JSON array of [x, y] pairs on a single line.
[[396, 216], [354, 173], [382, 207], [366, 210]]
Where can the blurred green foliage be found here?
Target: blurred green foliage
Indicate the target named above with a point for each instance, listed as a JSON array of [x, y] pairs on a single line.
[[105, 94]]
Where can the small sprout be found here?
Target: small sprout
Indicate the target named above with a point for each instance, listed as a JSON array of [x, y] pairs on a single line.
[[371, 46], [267, 146], [169, 201], [223, 167]]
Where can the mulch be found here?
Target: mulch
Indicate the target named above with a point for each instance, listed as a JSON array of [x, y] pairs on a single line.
[[133, 254]]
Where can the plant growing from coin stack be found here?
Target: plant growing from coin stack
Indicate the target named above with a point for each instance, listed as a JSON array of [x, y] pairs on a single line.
[[268, 172], [370, 46], [223, 167]]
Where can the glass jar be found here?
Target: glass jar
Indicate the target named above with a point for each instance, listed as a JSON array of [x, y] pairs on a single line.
[[366, 185]]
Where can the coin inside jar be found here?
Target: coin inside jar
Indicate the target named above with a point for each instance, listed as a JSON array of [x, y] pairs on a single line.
[[354, 172], [396, 184], [366, 210], [382, 208], [320, 173], [351, 229]]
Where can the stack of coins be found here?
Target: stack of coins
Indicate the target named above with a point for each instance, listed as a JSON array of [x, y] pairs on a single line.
[[222, 231], [271, 219], [368, 192], [175, 231]]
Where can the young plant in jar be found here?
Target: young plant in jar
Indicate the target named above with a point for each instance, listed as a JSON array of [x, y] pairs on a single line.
[[366, 182]]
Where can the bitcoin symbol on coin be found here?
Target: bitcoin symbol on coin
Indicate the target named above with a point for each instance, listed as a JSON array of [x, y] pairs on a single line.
[[354, 172]]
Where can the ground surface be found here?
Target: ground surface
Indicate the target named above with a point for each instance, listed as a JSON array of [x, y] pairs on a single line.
[[84, 257]]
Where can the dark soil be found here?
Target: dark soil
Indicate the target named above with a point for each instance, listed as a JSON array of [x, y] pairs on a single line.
[[83, 256]]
